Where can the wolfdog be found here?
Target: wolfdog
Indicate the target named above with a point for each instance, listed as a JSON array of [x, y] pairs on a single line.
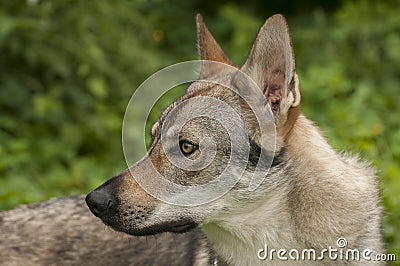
[[64, 232], [312, 200]]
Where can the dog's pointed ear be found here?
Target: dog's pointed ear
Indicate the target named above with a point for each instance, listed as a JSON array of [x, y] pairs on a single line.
[[208, 49], [271, 65]]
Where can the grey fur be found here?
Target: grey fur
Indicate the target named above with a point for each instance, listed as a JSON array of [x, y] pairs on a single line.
[[64, 232]]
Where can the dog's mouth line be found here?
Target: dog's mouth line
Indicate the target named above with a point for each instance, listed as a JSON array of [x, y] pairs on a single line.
[[180, 226]]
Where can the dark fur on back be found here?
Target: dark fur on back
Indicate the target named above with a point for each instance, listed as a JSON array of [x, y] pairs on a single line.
[[64, 232]]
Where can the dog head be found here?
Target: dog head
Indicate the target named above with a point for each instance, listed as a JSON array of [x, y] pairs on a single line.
[[267, 81]]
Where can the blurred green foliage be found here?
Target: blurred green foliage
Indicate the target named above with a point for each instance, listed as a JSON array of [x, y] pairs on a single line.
[[68, 69]]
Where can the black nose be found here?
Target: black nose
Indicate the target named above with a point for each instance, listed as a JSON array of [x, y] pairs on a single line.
[[99, 202]]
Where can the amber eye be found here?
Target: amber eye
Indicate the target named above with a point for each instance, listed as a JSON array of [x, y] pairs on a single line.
[[187, 148]]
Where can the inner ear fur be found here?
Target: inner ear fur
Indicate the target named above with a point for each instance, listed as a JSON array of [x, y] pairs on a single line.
[[271, 65]]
